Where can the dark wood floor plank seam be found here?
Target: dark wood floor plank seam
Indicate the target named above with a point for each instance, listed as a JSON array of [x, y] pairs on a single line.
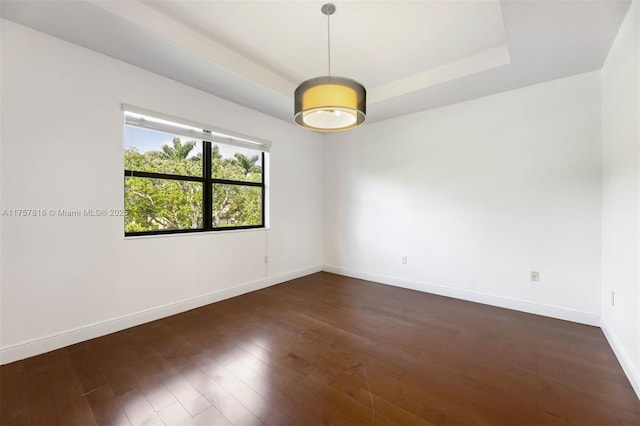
[[329, 349]]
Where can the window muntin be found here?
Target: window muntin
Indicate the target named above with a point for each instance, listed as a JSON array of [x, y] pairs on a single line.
[[176, 184]]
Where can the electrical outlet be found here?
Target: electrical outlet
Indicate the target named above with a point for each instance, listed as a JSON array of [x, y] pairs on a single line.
[[613, 298], [404, 260], [535, 276], [266, 259]]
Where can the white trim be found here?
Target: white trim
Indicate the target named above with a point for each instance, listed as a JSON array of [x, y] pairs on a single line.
[[623, 358], [473, 296], [191, 129], [61, 339]]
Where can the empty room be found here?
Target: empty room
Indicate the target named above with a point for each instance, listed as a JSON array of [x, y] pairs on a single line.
[[306, 213]]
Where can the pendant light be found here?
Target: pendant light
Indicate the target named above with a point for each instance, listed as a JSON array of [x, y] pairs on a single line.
[[330, 104]]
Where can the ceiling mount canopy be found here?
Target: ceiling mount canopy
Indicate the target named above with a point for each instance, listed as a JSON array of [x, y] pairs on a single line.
[[328, 103]]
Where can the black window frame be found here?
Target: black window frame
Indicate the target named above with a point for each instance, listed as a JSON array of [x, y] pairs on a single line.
[[208, 183]]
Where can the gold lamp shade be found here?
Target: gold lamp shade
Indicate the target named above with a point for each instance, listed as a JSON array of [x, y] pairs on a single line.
[[330, 104]]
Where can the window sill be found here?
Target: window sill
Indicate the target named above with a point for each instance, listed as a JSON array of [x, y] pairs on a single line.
[[194, 234]]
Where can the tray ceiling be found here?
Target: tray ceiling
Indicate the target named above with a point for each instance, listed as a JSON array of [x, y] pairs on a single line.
[[410, 56]]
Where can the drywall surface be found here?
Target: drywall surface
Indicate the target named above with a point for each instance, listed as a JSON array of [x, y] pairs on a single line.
[[476, 196], [621, 196], [65, 279]]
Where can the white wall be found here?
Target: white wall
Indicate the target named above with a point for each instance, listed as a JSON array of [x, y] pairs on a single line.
[[476, 195], [621, 195], [65, 279]]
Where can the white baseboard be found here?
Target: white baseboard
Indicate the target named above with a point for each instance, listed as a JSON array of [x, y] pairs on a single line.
[[40, 345], [472, 296], [623, 358]]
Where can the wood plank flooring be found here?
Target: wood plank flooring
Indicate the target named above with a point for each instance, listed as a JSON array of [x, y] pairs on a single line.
[[326, 349]]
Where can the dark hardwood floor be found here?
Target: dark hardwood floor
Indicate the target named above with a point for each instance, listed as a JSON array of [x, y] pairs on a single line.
[[326, 349]]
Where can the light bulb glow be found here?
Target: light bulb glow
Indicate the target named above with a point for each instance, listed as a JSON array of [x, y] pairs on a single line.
[[321, 118]]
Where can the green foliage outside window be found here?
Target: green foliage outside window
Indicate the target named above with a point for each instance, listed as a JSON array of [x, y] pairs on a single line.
[[155, 204]]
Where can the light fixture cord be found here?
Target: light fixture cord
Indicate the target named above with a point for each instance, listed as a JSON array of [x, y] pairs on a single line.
[[329, 42]]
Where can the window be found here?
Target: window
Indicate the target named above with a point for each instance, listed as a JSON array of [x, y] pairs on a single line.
[[181, 176]]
